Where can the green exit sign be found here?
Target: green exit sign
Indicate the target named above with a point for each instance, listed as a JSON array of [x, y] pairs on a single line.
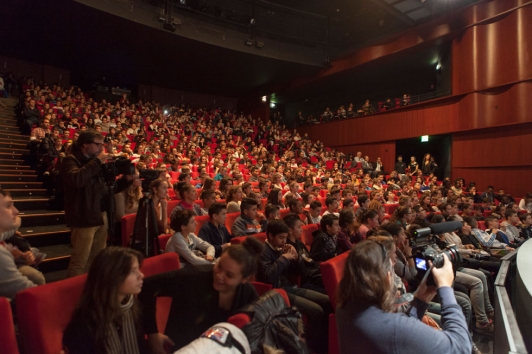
[[424, 138]]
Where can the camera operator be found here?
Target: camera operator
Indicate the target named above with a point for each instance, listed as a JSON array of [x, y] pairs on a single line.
[[365, 319], [87, 198]]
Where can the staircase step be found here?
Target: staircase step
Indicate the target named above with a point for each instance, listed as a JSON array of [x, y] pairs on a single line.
[[37, 192], [7, 128], [17, 178], [20, 185], [40, 236], [13, 151], [6, 156], [58, 257], [33, 218], [15, 170], [15, 138], [12, 162], [9, 121], [31, 203], [15, 145]]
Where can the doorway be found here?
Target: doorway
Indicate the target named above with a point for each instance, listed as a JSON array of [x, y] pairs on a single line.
[[439, 146]]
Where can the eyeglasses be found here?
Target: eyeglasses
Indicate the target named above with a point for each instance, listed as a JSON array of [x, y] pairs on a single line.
[[97, 144]]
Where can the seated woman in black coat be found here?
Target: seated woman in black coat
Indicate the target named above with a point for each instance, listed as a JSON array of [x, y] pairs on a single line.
[[201, 296], [106, 319]]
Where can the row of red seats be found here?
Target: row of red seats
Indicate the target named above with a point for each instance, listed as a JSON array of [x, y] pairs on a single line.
[[43, 312]]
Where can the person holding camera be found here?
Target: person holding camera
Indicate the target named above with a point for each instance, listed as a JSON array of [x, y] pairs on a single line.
[[365, 319], [87, 197]]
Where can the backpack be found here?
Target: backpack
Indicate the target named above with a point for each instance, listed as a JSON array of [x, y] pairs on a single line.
[[274, 325]]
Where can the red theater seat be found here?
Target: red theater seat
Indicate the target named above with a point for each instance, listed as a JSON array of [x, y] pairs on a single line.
[[332, 272], [306, 236], [8, 339], [128, 224], [45, 311], [230, 220], [200, 220], [238, 240]]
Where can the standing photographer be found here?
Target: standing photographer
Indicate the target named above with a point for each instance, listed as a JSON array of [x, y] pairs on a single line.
[[365, 319], [87, 199]]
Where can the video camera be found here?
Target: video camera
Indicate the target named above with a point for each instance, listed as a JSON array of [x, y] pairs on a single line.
[[426, 246], [148, 176], [117, 166]]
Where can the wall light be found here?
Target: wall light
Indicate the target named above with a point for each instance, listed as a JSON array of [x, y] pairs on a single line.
[[264, 98]]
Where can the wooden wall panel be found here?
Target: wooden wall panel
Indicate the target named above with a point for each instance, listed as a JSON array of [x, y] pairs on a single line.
[[494, 53], [40, 72], [500, 157]]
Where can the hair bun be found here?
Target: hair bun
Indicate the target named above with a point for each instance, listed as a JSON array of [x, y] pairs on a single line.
[[253, 246]]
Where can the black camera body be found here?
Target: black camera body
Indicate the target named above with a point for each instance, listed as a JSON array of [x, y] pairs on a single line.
[[116, 167], [428, 247], [148, 176]]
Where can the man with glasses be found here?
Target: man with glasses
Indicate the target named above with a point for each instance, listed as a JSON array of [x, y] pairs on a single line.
[[86, 200]]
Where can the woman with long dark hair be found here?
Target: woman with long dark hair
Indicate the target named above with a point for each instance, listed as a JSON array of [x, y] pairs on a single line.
[[106, 319], [275, 197], [365, 318]]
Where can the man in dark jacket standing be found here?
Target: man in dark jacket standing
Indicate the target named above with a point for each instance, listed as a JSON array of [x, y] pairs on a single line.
[[86, 200]]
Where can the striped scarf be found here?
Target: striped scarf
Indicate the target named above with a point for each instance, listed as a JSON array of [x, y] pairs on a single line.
[[123, 339]]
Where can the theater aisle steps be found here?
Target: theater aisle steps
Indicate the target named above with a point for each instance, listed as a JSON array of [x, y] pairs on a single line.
[[43, 228]]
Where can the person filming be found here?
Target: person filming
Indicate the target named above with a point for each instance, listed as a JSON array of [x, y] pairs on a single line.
[[87, 197], [365, 319]]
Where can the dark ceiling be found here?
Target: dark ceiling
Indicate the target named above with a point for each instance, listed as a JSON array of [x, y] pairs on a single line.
[[92, 43]]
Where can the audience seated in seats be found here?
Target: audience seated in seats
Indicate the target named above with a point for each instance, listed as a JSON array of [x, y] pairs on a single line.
[[332, 207], [234, 199], [208, 197], [159, 196], [369, 221], [127, 202], [348, 232], [311, 274], [106, 319], [214, 231], [201, 295], [246, 224], [190, 248], [188, 196], [194, 145], [324, 245], [280, 261]]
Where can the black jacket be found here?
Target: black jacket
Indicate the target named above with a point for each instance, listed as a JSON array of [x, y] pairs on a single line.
[[323, 246], [216, 236], [84, 190], [274, 269]]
